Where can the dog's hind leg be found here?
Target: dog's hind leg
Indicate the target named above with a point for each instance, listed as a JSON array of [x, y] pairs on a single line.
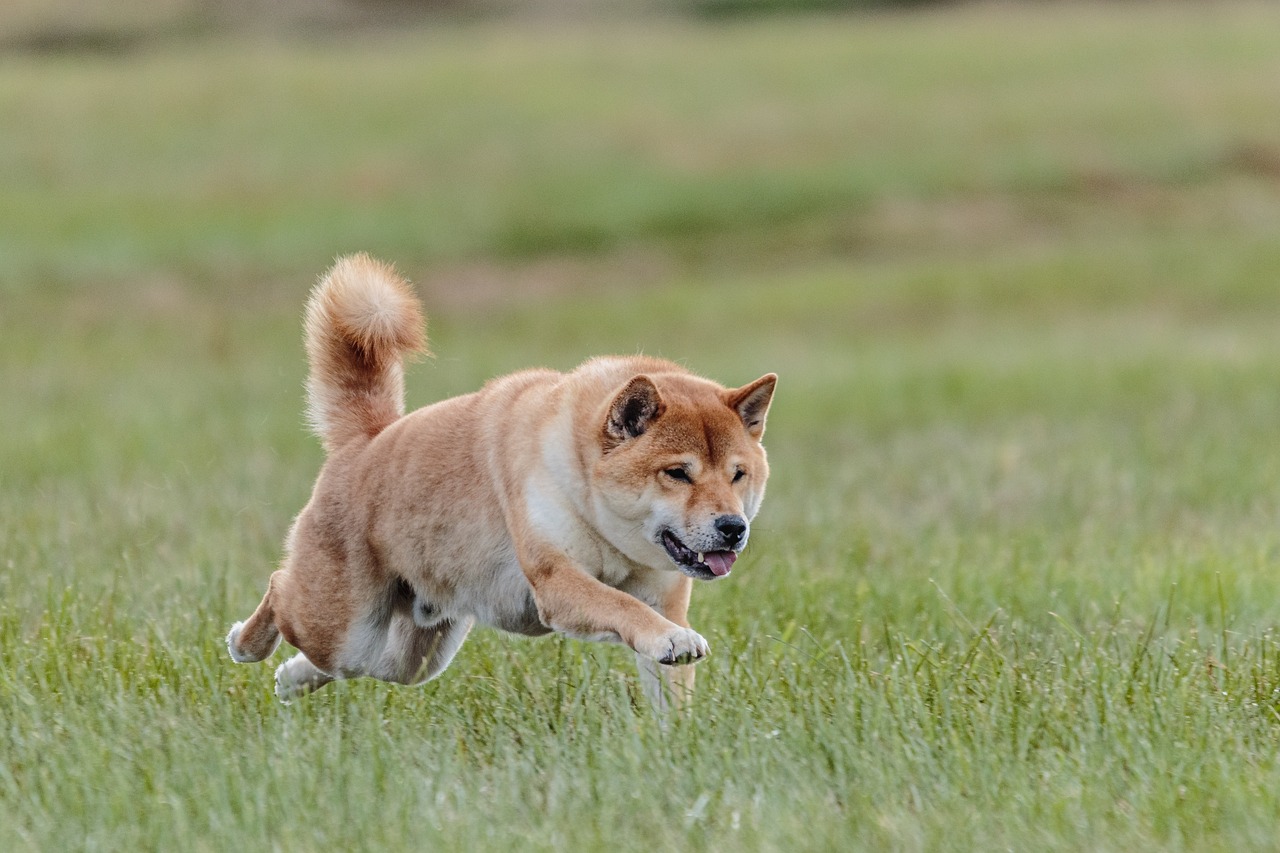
[[414, 654], [388, 642], [257, 637]]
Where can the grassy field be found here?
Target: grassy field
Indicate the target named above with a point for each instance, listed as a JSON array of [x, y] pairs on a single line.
[[1015, 581]]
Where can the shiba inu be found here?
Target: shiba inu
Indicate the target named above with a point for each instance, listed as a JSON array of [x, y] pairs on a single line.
[[584, 503]]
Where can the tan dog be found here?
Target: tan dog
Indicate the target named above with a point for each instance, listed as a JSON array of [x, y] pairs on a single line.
[[582, 502]]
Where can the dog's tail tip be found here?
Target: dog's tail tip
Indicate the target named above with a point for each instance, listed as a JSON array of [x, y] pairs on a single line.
[[366, 303]]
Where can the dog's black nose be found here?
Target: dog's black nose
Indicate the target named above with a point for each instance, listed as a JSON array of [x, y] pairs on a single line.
[[731, 527]]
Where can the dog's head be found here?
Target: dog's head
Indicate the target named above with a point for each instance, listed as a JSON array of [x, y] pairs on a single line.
[[682, 470]]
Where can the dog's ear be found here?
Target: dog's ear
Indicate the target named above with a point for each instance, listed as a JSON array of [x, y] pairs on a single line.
[[751, 402], [633, 409]]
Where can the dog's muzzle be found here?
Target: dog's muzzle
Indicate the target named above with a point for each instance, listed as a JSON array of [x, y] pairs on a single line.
[[706, 565]]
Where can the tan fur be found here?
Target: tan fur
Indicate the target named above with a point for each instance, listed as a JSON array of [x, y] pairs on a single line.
[[536, 504]]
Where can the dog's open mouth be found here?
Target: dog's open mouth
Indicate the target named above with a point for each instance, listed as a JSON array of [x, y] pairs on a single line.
[[702, 565]]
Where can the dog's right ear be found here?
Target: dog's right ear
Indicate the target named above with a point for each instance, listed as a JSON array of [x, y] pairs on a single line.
[[633, 409]]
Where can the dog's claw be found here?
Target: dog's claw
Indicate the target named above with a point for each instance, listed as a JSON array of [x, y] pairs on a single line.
[[680, 660]]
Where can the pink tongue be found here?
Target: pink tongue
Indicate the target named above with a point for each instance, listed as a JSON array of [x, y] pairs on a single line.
[[719, 562]]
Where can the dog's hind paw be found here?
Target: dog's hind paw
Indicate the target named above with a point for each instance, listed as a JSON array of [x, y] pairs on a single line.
[[298, 676], [233, 636]]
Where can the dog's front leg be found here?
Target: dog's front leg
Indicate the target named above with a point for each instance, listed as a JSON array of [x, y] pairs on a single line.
[[669, 688], [572, 602]]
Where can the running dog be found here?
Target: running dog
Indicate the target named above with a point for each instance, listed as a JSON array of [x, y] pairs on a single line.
[[584, 503]]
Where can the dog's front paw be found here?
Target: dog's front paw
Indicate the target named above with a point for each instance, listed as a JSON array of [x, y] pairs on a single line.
[[680, 646]]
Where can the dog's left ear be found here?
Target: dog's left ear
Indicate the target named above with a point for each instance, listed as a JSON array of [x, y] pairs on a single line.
[[636, 406], [751, 402]]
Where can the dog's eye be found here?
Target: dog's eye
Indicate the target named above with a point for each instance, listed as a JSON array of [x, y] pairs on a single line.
[[738, 475], [678, 474]]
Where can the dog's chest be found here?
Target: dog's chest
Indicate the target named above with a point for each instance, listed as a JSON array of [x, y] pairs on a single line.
[[612, 568]]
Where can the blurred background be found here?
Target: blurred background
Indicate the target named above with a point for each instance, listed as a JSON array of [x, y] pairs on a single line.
[[1015, 262]]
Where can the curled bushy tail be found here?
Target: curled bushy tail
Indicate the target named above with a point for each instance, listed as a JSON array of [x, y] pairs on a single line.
[[362, 320]]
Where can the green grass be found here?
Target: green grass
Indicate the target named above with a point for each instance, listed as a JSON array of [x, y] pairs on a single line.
[[1014, 584]]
